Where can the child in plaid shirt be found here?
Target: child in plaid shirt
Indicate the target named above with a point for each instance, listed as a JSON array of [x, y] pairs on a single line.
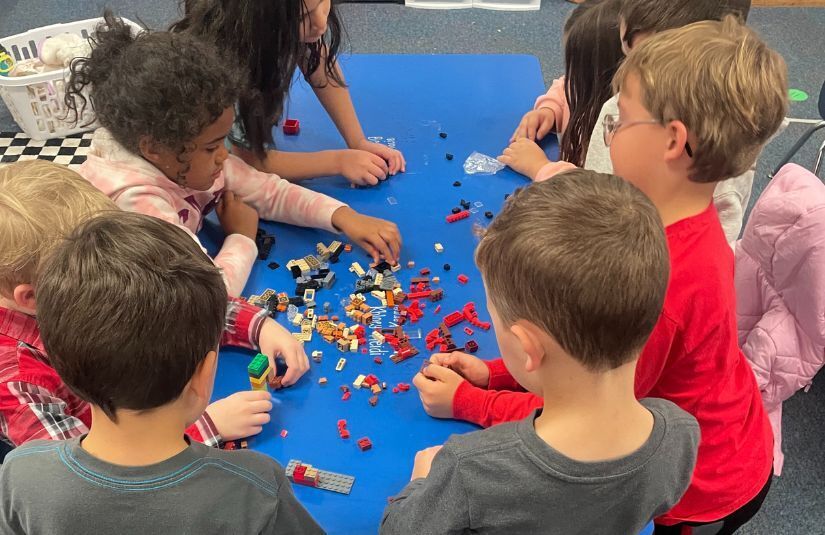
[[40, 202]]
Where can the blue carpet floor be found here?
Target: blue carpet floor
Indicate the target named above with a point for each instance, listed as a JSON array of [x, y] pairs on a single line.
[[796, 503]]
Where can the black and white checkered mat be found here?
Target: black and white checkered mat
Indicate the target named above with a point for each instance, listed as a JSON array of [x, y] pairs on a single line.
[[71, 150]]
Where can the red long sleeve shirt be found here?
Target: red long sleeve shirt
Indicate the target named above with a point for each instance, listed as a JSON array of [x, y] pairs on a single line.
[[692, 359], [36, 404]]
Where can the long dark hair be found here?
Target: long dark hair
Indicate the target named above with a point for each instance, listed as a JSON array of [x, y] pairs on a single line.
[[158, 84], [264, 38], [592, 54]]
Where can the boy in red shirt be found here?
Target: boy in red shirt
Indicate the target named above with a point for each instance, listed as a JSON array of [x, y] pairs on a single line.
[[39, 203], [685, 123]]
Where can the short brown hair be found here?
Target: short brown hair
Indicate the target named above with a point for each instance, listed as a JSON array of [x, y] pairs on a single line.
[[722, 81], [652, 16], [40, 202], [584, 257], [128, 307]]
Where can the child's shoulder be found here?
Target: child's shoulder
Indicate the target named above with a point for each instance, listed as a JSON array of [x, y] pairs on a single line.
[[257, 469], [671, 414], [34, 463], [485, 441]]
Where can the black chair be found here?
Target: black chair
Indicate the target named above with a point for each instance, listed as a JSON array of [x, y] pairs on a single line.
[[4, 449], [805, 137]]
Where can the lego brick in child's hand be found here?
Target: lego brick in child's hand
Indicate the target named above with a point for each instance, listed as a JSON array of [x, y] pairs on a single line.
[[276, 341], [469, 367], [437, 387]]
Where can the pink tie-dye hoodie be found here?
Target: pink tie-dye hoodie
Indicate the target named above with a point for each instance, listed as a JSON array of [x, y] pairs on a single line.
[[138, 186]]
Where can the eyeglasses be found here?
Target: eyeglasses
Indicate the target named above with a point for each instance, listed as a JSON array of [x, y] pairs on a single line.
[[612, 125]]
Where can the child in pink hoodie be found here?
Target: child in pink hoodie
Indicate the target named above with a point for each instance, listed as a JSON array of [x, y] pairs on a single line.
[[165, 102]]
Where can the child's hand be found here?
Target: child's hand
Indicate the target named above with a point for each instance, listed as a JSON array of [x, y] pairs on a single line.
[[276, 340], [423, 462], [525, 157], [360, 167], [535, 124], [471, 368], [380, 238], [236, 216], [242, 414], [436, 387], [392, 156]]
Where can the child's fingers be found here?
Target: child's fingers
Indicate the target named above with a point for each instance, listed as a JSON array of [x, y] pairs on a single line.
[[253, 395], [372, 251], [383, 248], [261, 418], [254, 431], [544, 129], [260, 406], [380, 162], [227, 196], [377, 172]]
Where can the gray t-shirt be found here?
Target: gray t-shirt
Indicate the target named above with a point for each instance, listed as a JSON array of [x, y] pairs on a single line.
[[506, 479], [55, 487]]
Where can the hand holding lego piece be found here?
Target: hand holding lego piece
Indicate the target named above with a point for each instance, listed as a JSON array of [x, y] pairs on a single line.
[[469, 367], [423, 462], [393, 157], [437, 387], [242, 414], [535, 125], [380, 238], [237, 217], [276, 340], [361, 167], [525, 157]]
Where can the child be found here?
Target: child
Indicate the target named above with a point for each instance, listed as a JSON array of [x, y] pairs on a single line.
[[115, 279], [594, 460], [269, 40], [684, 124], [40, 202], [166, 104], [592, 53], [639, 19]]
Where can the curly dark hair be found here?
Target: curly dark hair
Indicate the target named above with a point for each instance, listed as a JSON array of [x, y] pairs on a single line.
[[158, 84], [264, 37]]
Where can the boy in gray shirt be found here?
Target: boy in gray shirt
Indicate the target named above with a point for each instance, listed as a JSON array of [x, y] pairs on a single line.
[[131, 313], [573, 301]]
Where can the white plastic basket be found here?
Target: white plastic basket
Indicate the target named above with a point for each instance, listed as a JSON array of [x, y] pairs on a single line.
[[36, 101]]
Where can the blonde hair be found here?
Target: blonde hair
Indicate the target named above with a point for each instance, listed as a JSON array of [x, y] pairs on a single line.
[[722, 81], [40, 203], [583, 257]]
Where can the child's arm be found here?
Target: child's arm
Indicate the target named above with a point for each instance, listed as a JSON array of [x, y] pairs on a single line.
[[280, 200], [435, 501], [337, 102], [550, 114], [664, 344], [445, 394], [237, 253]]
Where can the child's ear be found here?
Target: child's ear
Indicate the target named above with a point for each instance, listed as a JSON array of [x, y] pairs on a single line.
[[677, 144], [151, 150], [203, 379], [24, 297], [529, 337]]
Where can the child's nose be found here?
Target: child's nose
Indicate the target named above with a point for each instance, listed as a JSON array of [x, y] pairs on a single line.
[[221, 154]]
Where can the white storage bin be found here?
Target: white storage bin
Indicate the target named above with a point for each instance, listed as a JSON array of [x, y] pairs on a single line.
[[510, 5], [36, 101]]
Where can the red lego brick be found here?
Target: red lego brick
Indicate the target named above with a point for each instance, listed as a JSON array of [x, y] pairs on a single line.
[[404, 387], [344, 433], [364, 443], [378, 360], [452, 218], [342, 423], [453, 318], [370, 380], [418, 295], [292, 127], [346, 396], [284, 433], [373, 401], [468, 330], [463, 279], [438, 308], [424, 271]]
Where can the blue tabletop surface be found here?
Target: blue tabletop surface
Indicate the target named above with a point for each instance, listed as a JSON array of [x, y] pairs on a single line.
[[477, 101]]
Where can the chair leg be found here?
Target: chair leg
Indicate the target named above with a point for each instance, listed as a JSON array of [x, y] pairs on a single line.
[[819, 155]]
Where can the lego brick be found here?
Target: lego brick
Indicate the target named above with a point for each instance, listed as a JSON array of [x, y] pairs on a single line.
[[292, 127], [322, 381], [364, 443], [439, 248], [463, 279], [284, 433], [341, 363], [259, 365], [452, 218], [359, 381], [330, 481]]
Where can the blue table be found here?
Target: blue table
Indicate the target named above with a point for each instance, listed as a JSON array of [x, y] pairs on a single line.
[[477, 101]]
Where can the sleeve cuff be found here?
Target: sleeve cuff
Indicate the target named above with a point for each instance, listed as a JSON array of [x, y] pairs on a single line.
[[204, 431], [551, 169], [243, 324], [500, 377]]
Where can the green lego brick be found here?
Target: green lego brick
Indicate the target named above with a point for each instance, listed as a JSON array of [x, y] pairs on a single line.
[[258, 366]]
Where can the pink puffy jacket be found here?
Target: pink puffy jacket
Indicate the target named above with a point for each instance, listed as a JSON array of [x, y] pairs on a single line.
[[780, 289]]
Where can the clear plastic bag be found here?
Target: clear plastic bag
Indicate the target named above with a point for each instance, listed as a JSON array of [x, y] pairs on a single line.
[[481, 164]]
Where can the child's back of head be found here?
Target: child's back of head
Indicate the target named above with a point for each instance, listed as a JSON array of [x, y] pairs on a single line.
[[40, 202], [582, 256], [129, 307]]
